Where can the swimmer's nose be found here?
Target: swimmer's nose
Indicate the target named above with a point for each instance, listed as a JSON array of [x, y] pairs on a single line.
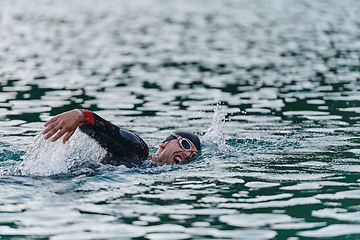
[[187, 154]]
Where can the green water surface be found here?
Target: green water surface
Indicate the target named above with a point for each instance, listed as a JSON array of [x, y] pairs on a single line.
[[271, 87]]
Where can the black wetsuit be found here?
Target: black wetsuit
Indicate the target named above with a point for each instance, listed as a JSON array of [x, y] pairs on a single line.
[[123, 147]]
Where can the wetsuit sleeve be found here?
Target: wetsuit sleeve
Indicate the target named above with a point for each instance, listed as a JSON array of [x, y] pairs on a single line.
[[118, 142]]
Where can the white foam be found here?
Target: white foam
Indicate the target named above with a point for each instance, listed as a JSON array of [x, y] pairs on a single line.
[[46, 158]]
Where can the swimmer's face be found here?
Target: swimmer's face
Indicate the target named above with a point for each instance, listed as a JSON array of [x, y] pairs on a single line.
[[170, 152]]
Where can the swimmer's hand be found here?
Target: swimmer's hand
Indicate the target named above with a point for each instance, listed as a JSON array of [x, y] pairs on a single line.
[[64, 123]]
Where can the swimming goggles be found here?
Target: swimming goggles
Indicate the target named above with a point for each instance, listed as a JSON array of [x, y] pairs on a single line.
[[185, 145]]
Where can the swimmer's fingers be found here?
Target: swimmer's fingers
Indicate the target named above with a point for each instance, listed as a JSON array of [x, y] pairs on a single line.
[[63, 123], [64, 126], [54, 119], [60, 127], [51, 129], [61, 131], [68, 135], [49, 126]]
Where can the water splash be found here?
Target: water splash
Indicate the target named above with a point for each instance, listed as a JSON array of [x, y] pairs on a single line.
[[215, 133], [46, 158]]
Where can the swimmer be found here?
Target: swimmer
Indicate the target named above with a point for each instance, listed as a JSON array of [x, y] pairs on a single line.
[[123, 147]]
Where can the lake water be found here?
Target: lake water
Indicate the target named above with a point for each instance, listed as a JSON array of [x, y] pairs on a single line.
[[271, 87]]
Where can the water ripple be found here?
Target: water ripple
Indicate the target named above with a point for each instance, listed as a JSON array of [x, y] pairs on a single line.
[[271, 87]]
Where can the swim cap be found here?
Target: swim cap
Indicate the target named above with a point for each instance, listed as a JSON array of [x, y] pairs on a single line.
[[192, 137]]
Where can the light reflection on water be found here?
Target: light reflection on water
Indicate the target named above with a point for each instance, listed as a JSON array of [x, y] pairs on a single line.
[[280, 152]]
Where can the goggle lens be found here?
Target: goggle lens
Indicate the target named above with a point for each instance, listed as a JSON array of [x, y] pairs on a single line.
[[184, 143]]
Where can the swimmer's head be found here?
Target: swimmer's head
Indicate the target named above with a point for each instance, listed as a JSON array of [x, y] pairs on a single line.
[[187, 135], [178, 147]]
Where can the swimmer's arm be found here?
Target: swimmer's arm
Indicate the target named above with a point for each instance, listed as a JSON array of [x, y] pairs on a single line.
[[105, 133], [112, 138], [63, 124]]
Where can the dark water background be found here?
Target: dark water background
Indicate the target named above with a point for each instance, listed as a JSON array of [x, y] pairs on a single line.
[[272, 88]]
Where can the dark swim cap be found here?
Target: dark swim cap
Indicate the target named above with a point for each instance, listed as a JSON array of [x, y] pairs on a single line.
[[192, 137]]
